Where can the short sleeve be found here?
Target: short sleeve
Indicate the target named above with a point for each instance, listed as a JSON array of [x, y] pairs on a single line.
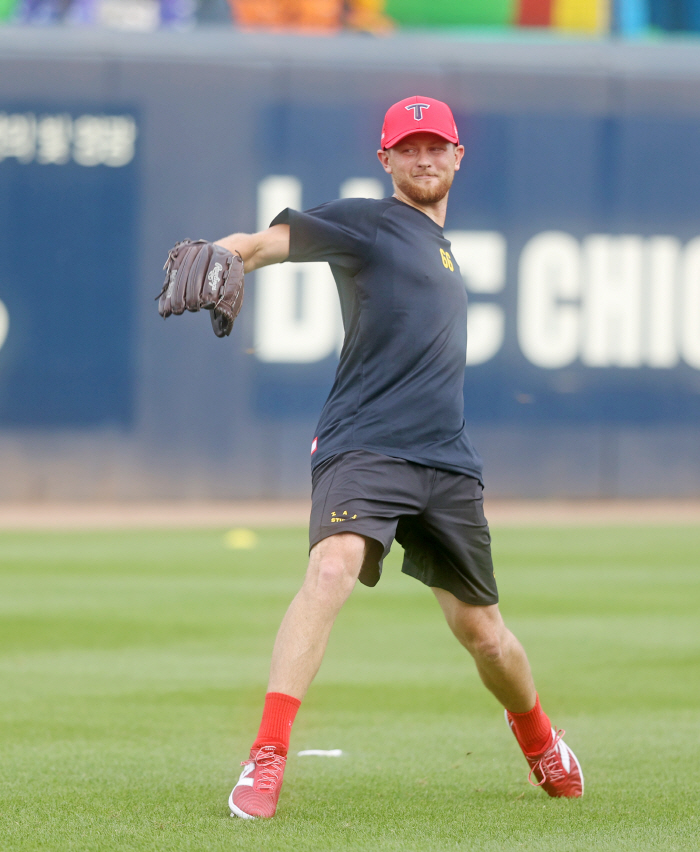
[[341, 232]]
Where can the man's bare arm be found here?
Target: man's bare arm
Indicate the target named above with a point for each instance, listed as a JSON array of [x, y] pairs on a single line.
[[261, 249]]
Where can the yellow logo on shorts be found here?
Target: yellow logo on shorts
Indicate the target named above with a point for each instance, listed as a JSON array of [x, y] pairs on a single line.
[[336, 519], [446, 260]]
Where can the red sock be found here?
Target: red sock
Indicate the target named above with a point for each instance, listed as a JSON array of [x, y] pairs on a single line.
[[533, 729], [277, 721]]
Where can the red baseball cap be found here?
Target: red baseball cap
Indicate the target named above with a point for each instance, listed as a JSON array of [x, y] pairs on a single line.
[[418, 115]]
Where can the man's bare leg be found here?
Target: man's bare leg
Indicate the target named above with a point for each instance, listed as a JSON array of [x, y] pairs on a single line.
[[500, 659], [504, 669], [334, 566]]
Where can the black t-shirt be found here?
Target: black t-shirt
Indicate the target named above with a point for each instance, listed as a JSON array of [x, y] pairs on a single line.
[[399, 387]]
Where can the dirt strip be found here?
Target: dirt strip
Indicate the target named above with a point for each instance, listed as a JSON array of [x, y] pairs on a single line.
[[276, 513]]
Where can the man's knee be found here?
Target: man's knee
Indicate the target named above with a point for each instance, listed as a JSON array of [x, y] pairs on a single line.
[[481, 636], [335, 565], [486, 646], [333, 573], [479, 629]]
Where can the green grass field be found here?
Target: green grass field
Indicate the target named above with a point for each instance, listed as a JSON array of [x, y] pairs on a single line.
[[133, 666]]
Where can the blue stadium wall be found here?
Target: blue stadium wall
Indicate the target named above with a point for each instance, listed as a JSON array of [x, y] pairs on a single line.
[[575, 221]]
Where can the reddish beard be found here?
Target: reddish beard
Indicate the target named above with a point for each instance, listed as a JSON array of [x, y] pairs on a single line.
[[420, 194]]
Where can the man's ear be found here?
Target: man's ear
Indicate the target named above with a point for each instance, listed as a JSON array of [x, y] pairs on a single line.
[[459, 154], [383, 156]]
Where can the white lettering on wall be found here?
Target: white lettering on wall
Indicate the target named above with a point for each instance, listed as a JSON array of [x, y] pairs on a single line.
[[275, 193], [89, 140], [612, 301], [4, 324], [549, 279], [481, 256], [362, 188], [18, 137], [606, 301], [690, 304], [104, 139], [612, 309], [297, 314], [660, 332], [54, 136]]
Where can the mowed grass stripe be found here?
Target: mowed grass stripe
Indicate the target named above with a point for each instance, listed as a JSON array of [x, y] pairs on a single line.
[[133, 667]]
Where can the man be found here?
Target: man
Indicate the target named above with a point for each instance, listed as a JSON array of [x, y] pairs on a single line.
[[391, 458]]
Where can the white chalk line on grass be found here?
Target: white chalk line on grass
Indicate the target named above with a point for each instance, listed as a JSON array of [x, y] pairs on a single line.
[[320, 752]]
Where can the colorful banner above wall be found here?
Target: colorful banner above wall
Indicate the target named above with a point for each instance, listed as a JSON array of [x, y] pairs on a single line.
[[584, 16]]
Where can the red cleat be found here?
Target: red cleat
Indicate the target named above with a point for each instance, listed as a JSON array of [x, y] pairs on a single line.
[[556, 769], [258, 788]]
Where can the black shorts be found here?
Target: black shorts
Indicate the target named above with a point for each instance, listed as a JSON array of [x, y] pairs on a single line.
[[435, 515]]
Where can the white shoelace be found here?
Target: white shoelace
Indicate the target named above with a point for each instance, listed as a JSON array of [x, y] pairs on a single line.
[[270, 765]]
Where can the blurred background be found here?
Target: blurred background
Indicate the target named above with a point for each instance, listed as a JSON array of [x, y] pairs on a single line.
[[592, 17], [126, 125]]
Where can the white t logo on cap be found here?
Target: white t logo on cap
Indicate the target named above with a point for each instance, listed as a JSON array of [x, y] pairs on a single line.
[[418, 110]]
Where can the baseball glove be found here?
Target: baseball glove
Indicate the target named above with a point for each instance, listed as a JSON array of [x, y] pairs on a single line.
[[201, 275]]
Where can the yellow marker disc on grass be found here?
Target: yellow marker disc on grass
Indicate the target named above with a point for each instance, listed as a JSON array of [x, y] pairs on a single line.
[[240, 539]]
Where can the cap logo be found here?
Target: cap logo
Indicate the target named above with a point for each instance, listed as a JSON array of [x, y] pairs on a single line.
[[418, 110]]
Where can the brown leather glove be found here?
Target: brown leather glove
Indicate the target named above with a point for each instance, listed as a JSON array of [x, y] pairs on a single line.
[[200, 275]]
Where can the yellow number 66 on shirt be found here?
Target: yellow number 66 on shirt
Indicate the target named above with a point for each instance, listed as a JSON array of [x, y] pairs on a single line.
[[446, 260]]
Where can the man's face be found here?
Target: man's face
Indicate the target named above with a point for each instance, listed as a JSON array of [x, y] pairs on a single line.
[[422, 166]]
